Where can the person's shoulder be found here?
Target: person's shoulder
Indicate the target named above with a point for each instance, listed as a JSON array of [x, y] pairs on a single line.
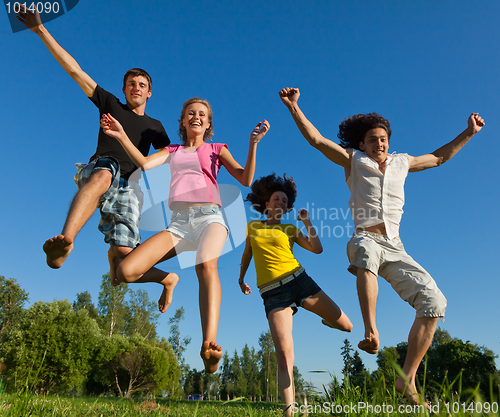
[[253, 225], [102, 92], [401, 158], [216, 147], [153, 120], [290, 229], [174, 147]]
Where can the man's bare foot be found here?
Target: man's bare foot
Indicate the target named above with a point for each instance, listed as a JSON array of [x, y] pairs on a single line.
[[112, 268], [369, 345], [410, 392], [57, 250], [169, 284], [211, 353]]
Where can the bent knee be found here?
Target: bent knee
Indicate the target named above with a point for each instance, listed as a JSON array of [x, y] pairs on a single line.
[[285, 359], [207, 267], [101, 176], [431, 304], [125, 273], [346, 327]]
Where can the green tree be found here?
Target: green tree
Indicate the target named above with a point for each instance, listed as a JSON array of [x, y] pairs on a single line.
[[12, 299], [212, 385], [141, 315], [50, 348], [476, 363], [227, 383], [249, 363], [268, 363], [178, 343], [386, 358], [84, 302], [129, 365], [298, 381], [111, 305], [354, 369]]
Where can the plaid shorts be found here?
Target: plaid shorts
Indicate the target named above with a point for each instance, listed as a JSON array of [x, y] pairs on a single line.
[[120, 206]]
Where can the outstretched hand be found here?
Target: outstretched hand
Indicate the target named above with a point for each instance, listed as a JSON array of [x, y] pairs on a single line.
[[259, 131], [475, 122], [245, 289], [111, 126], [29, 18], [289, 96]]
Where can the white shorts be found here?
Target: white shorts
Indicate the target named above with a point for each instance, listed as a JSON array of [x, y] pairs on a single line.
[[388, 258]]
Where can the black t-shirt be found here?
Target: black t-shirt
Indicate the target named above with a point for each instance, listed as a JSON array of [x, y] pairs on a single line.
[[143, 131]]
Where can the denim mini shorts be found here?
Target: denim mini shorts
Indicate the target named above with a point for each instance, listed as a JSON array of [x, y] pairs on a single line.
[[189, 224], [292, 294]]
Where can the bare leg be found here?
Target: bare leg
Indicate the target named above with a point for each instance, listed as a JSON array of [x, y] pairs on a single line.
[[367, 293], [138, 265], [116, 252], [82, 207], [209, 250], [281, 324], [332, 315], [419, 340]]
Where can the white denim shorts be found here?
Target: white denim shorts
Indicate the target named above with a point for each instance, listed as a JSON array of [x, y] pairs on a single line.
[[189, 224], [388, 258]]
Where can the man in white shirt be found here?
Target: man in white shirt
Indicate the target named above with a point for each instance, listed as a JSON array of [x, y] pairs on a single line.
[[376, 181]]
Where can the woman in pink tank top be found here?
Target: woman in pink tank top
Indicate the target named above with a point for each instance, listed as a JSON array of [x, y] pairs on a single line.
[[196, 224]]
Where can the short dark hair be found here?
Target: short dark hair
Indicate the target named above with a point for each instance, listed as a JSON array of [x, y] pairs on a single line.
[[353, 129], [264, 187], [136, 72]]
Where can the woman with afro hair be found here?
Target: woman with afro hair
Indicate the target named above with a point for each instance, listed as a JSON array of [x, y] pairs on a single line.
[[282, 281]]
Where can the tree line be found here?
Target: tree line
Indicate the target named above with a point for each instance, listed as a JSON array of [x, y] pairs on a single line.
[[449, 362], [77, 348], [114, 349]]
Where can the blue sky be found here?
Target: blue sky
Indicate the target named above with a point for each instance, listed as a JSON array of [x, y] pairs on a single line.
[[425, 66]]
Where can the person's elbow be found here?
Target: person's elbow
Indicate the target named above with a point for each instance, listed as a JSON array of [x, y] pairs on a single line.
[[317, 251]]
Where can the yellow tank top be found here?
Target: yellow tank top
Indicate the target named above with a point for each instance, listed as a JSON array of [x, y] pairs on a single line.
[[272, 250]]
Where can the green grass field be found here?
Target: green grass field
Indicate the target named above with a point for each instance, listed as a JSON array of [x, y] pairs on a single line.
[[34, 405], [341, 400]]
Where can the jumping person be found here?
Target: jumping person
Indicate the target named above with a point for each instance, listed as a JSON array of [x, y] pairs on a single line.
[[376, 181], [282, 281], [105, 180], [197, 223]]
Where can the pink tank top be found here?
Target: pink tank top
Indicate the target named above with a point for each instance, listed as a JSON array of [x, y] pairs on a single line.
[[194, 174]]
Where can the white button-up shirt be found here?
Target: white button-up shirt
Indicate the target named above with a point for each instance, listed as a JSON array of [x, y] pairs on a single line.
[[375, 197]]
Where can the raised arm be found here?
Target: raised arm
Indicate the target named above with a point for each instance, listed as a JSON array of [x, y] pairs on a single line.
[[448, 151], [333, 151], [245, 262], [245, 175], [311, 242], [114, 129], [33, 23]]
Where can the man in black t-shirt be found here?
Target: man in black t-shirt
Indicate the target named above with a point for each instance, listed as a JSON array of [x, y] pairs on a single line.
[[106, 182]]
